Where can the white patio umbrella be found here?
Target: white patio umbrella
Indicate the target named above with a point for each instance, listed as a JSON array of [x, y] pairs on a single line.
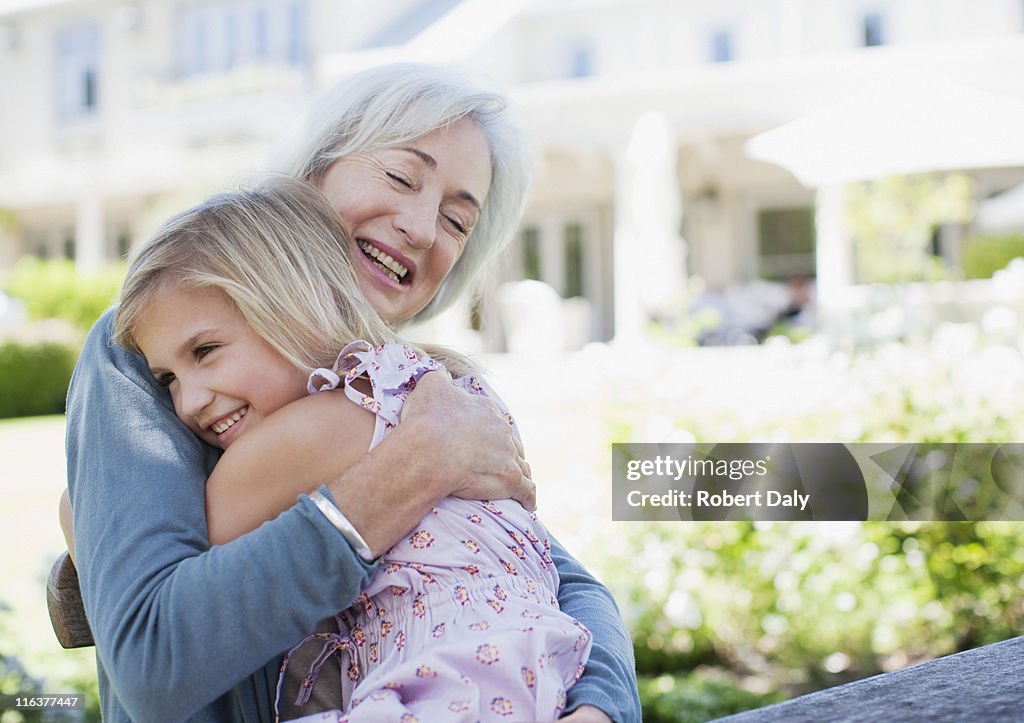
[[901, 126]]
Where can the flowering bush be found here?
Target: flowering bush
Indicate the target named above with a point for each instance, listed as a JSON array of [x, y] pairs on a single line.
[[793, 607]]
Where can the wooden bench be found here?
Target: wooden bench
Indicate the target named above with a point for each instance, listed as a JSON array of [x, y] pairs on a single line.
[[64, 601]]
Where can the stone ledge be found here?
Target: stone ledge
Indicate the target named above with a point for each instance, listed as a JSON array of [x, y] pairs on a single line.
[[984, 684]]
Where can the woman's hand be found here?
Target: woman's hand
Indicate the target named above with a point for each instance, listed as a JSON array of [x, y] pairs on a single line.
[[469, 442]]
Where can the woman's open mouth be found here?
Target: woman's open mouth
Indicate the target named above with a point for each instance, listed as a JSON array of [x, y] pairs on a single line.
[[384, 263]]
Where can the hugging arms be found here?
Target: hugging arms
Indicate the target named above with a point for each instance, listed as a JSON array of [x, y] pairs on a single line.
[[180, 627]]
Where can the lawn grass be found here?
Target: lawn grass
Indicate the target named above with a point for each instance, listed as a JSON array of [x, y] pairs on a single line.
[[32, 476]]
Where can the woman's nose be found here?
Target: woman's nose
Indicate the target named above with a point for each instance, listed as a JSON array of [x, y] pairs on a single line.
[[417, 222]]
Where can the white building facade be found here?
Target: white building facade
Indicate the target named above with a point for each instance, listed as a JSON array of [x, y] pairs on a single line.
[[117, 113]]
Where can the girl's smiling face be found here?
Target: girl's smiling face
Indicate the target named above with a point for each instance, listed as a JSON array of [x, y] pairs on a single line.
[[223, 378]]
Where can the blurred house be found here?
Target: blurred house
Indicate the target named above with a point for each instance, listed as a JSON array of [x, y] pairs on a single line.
[[116, 113]]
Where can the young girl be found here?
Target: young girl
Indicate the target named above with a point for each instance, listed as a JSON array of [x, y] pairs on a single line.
[[240, 306]]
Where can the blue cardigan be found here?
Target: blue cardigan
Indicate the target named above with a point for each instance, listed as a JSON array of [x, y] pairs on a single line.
[[181, 628]]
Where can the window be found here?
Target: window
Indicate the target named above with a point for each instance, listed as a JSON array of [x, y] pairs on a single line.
[[573, 250], [786, 239], [874, 30], [531, 253], [124, 244], [78, 57], [581, 62], [39, 243], [217, 36], [721, 47], [297, 33], [261, 33]]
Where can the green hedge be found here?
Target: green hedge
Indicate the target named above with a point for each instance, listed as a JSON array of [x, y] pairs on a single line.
[[984, 255], [34, 378], [670, 699], [54, 289]]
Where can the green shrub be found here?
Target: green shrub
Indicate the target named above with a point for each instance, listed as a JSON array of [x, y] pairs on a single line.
[[14, 679], [984, 255], [69, 671], [34, 378], [891, 221], [798, 607], [54, 289], [669, 699]]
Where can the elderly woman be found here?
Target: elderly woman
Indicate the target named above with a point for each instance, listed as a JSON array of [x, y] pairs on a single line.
[[430, 177]]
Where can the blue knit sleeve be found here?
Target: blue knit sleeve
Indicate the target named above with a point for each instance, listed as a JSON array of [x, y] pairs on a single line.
[[609, 681], [176, 624]]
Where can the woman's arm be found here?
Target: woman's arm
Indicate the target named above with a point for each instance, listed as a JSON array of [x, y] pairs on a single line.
[[177, 624], [609, 680]]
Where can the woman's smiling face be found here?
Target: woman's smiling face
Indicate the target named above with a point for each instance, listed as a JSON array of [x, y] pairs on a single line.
[[409, 210]]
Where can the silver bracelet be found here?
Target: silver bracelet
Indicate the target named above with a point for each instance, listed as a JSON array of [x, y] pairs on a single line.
[[336, 518]]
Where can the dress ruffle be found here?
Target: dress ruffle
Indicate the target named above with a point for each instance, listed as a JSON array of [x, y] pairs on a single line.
[[393, 370]]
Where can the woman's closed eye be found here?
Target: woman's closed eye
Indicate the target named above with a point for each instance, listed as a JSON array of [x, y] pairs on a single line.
[[401, 179], [458, 225], [165, 379]]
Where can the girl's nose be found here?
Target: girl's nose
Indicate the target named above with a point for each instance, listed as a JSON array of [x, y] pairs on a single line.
[[191, 399]]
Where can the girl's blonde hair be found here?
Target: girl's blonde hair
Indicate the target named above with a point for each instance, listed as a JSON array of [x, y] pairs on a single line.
[[279, 253], [393, 104]]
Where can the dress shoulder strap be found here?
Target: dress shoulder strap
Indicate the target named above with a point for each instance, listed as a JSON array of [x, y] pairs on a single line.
[[393, 370]]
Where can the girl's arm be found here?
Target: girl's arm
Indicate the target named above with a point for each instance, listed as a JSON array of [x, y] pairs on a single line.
[[383, 493], [176, 624], [293, 451]]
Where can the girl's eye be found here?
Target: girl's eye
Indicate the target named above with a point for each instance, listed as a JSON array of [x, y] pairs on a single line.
[[165, 379], [201, 352]]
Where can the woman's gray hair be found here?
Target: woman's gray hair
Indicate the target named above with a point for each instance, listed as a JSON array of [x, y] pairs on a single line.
[[394, 104]]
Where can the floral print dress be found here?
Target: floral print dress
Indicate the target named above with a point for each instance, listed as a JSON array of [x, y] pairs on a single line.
[[460, 621]]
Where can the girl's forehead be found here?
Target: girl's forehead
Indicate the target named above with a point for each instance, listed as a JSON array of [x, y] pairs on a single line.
[[183, 304]]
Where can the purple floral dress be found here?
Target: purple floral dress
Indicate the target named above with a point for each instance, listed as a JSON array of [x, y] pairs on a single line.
[[460, 621]]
